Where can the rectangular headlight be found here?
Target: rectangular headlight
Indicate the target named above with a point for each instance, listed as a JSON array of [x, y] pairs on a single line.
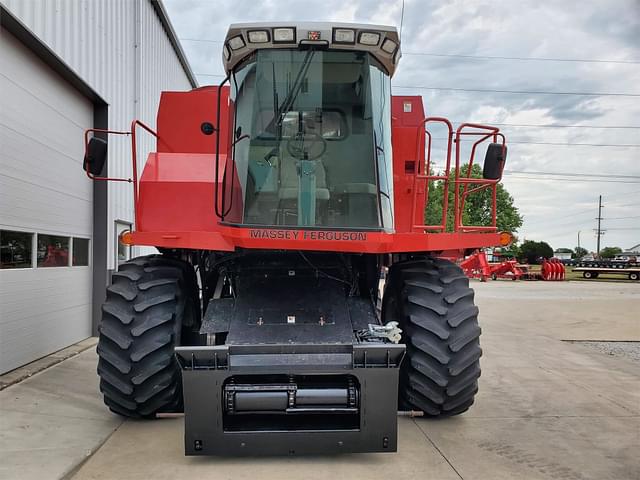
[[344, 35], [369, 38], [389, 46], [258, 36], [284, 35], [236, 42]]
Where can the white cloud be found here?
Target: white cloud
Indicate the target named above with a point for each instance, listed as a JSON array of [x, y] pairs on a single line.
[[553, 210]]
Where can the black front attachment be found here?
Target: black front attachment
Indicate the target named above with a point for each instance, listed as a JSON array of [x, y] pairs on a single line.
[[290, 399]]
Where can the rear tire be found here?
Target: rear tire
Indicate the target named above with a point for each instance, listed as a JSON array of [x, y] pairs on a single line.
[[151, 305], [433, 303]]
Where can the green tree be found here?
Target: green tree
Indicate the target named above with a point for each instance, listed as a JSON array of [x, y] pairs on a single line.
[[533, 252], [579, 252], [610, 252], [511, 251], [477, 208]]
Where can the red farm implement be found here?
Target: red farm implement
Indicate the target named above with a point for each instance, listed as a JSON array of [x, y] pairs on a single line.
[[476, 265]]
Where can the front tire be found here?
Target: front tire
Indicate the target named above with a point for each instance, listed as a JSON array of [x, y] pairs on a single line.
[[434, 305], [151, 305]]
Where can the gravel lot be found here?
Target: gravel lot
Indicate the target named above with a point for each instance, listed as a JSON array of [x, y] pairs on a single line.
[[629, 350]]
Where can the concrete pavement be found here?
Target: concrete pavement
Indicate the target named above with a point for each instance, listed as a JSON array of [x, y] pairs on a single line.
[[53, 421], [547, 409]]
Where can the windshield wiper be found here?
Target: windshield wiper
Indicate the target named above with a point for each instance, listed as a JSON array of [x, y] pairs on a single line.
[[295, 88], [280, 111]]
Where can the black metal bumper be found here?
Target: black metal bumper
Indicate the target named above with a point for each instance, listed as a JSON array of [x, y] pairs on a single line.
[[290, 399]]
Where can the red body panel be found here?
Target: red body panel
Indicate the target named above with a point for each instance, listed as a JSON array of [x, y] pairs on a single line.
[[175, 203], [181, 115], [407, 114]]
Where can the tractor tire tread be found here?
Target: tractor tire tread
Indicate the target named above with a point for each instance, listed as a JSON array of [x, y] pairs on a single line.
[[142, 322], [435, 308]]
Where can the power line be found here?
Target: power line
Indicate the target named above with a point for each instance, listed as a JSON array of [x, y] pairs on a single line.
[[401, 20], [534, 59], [565, 144], [554, 218], [621, 218], [504, 124], [479, 57], [519, 92], [572, 174], [585, 177], [518, 177], [559, 144], [625, 205], [555, 126], [202, 40]]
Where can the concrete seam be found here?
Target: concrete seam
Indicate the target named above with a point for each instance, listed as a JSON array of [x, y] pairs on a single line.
[[74, 470], [46, 367], [438, 450]]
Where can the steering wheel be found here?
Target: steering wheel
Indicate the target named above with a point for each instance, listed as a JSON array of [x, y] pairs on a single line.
[[306, 146]]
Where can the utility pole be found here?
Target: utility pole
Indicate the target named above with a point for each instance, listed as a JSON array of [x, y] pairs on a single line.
[[578, 238], [599, 232]]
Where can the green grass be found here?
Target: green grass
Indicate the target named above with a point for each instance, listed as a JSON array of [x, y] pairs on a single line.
[[606, 277], [577, 276]]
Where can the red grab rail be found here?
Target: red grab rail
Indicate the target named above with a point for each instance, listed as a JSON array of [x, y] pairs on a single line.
[[469, 184], [134, 157]]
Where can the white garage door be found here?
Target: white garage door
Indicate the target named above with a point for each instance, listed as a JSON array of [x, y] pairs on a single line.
[[45, 209]]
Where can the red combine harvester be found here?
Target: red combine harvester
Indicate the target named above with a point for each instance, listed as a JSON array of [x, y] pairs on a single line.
[[276, 202]]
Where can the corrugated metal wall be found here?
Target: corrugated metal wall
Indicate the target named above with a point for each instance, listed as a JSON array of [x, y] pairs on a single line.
[[120, 48], [43, 190]]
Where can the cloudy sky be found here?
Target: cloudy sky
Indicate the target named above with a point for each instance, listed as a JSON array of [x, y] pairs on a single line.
[[445, 45]]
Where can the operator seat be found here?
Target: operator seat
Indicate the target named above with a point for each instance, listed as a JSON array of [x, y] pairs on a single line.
[[289, 179], [291, 173]]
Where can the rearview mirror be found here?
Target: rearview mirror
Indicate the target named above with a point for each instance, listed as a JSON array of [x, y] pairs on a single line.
[[494, 161], [95, 156]]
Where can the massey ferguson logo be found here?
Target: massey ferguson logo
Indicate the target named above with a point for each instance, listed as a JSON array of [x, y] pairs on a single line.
[[314, 35], [326, 235]]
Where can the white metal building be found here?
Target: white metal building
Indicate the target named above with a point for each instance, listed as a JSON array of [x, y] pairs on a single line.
[[65, 66]]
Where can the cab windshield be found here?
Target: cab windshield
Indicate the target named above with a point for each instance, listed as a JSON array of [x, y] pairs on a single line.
[[316, 150]]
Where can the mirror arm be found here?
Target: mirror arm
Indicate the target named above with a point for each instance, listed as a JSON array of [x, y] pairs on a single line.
[[86, 149]]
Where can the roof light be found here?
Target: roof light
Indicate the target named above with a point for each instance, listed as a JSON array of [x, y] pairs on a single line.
[[284, 35], [236, 43], [344, 35], [258, 36], [369, 38], [389, 46], [227, 53]]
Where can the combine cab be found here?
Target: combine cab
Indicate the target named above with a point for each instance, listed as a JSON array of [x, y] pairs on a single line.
[[276, 200]]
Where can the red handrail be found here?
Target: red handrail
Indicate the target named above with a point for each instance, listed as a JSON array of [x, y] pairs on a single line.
[[134, 155], [134, 158], [459, 197], [459, 200], [427, 177]]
